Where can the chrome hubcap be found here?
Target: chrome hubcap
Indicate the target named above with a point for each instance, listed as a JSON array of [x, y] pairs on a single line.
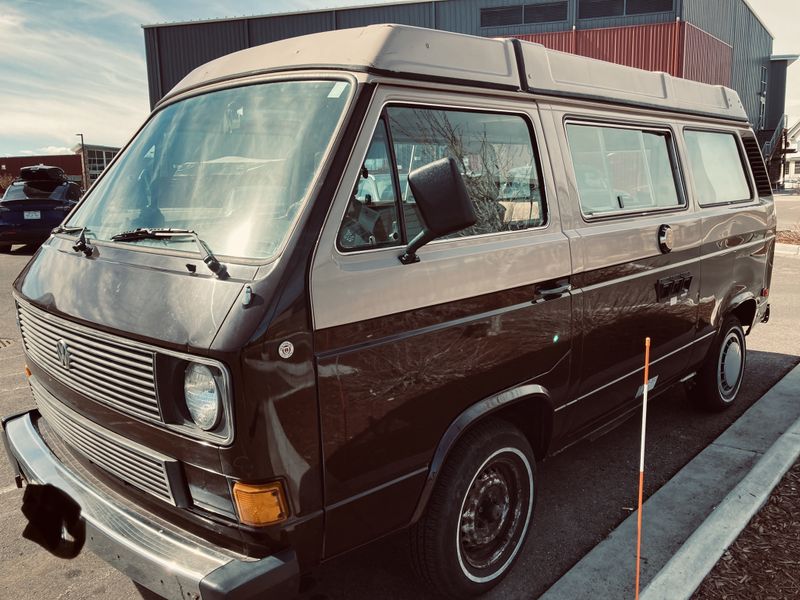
[[729, 372]]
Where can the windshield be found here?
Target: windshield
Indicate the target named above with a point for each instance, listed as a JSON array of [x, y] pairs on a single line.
[[232, 165]]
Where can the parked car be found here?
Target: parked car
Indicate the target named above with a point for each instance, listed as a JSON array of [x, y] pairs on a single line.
[[36, 202], [250, 354]]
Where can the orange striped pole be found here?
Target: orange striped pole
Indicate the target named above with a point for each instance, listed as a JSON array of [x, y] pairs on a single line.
[[641, 462]]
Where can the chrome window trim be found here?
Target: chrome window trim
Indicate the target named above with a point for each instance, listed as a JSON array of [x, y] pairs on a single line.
[[745, 163], [447, 106], [197, 433], [678, 170]]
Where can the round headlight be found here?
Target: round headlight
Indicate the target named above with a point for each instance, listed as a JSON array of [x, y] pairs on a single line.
[[202, 396]]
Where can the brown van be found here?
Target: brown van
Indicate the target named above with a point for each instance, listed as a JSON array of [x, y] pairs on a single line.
[[361, 281]]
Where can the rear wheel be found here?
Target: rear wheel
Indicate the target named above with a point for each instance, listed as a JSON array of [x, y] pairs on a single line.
[[720, 378], [5, 248], [489, 480]]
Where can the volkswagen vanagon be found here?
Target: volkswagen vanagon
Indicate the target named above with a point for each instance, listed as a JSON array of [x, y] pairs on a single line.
[[361, 281]]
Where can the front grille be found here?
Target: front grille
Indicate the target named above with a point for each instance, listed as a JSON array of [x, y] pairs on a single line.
[[136, 465], [106, 369]]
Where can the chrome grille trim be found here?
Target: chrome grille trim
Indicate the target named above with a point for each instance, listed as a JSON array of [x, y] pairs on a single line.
[[134, 464], [104, 368]]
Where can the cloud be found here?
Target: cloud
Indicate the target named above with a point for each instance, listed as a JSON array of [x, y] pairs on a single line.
[[54, 150], [68, 81]]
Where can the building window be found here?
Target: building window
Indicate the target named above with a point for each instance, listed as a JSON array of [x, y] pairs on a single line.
[[497, 17], [590, 9], [546, 13], [639, 7]]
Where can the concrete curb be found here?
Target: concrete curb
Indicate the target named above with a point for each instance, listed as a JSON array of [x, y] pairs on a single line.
[[691, 519], [687, 569], [790, 249]]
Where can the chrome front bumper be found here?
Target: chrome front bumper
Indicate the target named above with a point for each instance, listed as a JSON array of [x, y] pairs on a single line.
[[165, 561]]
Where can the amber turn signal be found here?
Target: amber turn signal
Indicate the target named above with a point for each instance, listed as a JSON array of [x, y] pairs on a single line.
[[260, 505]]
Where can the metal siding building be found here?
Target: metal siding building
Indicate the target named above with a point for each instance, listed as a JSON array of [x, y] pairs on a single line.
[[714, 41]]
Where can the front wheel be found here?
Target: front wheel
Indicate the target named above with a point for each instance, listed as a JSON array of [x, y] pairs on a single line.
[[720, 378], [478, 515]]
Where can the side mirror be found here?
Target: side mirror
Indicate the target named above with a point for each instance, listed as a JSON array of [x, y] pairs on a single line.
[[443, 201]]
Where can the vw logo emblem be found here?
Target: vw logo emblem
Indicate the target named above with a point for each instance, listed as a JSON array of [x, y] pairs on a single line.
[[63, 352]]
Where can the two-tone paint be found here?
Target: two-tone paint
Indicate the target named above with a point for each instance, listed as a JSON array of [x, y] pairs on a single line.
[[393, 362]]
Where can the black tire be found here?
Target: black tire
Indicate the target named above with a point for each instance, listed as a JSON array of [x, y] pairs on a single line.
[[5, 248], [461, 551], [719, 380]]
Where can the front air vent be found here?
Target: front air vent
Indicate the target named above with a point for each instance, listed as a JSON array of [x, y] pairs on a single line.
[[760, 174]]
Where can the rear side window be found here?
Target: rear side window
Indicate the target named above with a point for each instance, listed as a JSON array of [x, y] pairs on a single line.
[[716, 166], [623, 169], [35, 190], [497, 161]]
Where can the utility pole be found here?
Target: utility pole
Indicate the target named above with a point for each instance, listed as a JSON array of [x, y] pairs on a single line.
[[84, 179]]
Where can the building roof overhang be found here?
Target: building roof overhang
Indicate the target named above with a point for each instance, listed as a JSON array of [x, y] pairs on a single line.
[[788, 58]]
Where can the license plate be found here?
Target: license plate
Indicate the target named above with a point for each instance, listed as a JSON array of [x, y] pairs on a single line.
[[32, 214]]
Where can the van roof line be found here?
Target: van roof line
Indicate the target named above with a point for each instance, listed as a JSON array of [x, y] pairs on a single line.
[[497, 63]]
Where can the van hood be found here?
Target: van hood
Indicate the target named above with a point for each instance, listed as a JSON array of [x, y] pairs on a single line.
[[148, 296]]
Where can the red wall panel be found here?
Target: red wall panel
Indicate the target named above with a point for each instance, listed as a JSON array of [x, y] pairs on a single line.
[[651, 47], [706, 58], [71, 163], [679, 49], [557, 40]]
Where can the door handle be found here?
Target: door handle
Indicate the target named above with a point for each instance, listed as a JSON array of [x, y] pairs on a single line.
[[554, 292]]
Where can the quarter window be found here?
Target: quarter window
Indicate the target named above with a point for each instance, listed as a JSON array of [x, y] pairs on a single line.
[[371, 218], [717, 168], [621, 169], [496, 158]]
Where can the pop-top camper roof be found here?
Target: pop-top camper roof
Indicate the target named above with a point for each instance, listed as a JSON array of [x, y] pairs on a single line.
[[427, 54]]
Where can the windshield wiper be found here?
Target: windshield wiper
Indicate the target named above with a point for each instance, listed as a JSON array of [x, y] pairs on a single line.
[[81, 245], [65, 229], [149, 233]]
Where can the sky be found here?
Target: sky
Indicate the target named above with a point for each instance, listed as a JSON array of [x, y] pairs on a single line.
[[79, 66]]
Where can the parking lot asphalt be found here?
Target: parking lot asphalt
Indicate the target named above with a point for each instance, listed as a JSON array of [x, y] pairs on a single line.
[[584, 492], [787, 206]]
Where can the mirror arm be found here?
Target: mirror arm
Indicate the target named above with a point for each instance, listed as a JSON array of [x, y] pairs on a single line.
[[410, 254]]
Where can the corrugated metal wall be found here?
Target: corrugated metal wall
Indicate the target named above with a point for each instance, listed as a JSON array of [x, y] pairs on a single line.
[[564, 41], [752, 48], [420, 15], [733, 22], [706, 58], [645, 41], [270, 29], [651, 47]]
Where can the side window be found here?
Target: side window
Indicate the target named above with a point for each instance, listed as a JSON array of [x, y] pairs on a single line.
[[73, 192], [716, 167], [371, 217], [497, 162], [621, 169]]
